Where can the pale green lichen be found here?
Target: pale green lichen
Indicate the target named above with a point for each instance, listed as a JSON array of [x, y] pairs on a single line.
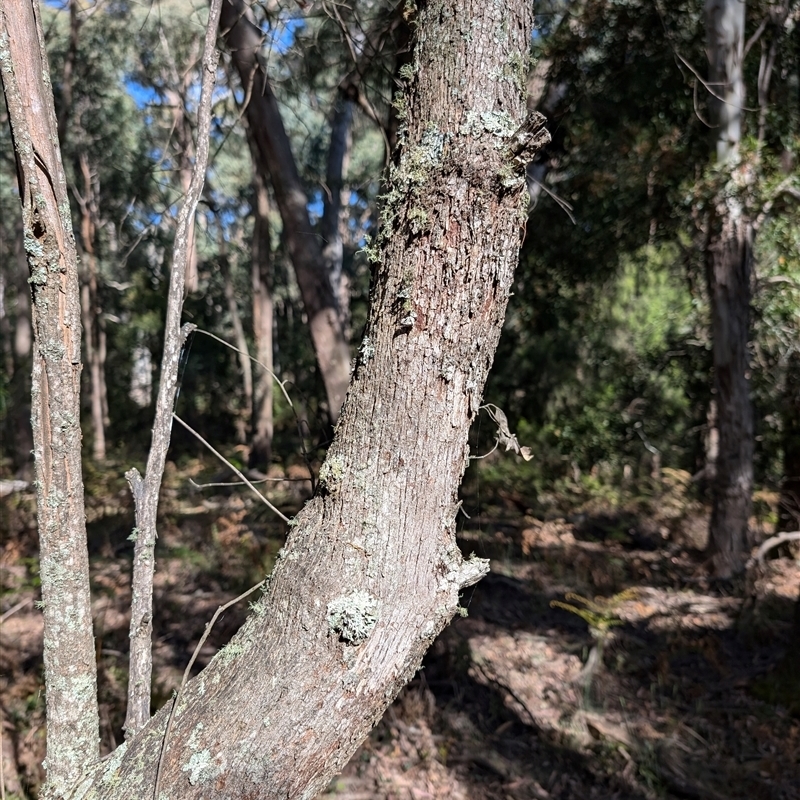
[[200, 767], [353, 616], [407, 71], [418, 217], [193, 736], [367, 350], [109, 773], [400, 105], [372, 252], [331, 473], [499, 123], [231, 651]]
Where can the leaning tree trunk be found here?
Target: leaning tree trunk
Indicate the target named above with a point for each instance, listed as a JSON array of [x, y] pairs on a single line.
[[69, 660], [275, 159], [371, 572], [728, 255]]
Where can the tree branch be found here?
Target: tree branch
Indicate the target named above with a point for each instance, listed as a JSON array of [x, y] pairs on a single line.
[[141, 631]]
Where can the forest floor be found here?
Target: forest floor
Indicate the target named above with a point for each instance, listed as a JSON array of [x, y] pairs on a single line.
[[653, 682]]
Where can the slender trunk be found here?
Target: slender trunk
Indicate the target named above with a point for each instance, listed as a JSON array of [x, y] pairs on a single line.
[[276, 160], [65, 110], [18, 423], [23, 331], [69, 659], [371, 572], [331, 227], [261, 276], [94, 336], [185, 159], [728, 255], [246, 413], [146, 491], [5, 327]]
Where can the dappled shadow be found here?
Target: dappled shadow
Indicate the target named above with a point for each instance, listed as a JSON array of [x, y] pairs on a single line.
[[517, 701]]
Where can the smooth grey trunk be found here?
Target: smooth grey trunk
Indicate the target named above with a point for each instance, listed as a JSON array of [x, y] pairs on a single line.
[[276, 160], [261, 279], [728, 256], [331, 224], [69, 658], [91, 313], [246, 413], [146, 491], [371, 572]]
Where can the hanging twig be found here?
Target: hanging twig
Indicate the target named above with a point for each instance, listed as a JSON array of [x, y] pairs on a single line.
[[228, 464]]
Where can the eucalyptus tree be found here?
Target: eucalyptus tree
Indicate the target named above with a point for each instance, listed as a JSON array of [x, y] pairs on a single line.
[[371, 572], [746, 190]]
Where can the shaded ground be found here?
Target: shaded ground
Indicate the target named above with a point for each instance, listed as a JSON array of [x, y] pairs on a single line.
[[655, 683]]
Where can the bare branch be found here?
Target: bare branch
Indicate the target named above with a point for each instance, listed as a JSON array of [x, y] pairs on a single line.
[[141, 630], [771, 544]]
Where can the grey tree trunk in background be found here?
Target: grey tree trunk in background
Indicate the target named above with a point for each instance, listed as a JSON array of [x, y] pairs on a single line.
[[261, 281], [728, 257], [371, 572], [69, 661]]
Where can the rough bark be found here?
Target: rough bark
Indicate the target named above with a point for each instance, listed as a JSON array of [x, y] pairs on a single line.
[[69, 660], [261, 278], [371, 572], [276, 160], [728, 255]]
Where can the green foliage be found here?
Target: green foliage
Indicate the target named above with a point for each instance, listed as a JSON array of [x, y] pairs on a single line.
[[599, 614]]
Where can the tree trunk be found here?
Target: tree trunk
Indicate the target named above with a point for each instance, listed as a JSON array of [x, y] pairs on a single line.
[[185, 159], [69, 659], [371, 572], [332, 247], [728, 255], [94, 335], [246, 412], [18, 422], [789, 514], [182, 125], [261, 277], [276, 160]]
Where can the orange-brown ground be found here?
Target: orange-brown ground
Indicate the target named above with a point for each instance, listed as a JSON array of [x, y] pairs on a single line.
[[656, 683]]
